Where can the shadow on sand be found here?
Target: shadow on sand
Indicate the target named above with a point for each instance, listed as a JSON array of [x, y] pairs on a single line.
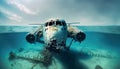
[[71, 59]]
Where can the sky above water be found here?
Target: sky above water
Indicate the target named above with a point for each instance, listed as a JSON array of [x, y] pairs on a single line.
[[87, 12]]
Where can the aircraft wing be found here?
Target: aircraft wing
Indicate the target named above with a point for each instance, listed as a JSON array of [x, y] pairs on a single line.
[[73, 23], [69, 23]]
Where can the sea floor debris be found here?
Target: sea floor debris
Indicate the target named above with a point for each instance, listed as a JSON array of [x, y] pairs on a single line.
[[45, 57]]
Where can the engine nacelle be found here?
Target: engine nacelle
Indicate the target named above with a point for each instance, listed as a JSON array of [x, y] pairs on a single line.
[[33, 37], [80, 36], [76, 34]]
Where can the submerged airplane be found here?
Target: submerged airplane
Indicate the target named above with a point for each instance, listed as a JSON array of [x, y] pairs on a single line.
[[55, 33]]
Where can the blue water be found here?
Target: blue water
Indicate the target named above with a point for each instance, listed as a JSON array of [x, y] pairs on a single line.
[[94, 41]]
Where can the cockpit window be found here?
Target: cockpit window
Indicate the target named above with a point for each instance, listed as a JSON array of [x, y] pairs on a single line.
[[59, 23], [50, 23], [46, 24], [63, 22]]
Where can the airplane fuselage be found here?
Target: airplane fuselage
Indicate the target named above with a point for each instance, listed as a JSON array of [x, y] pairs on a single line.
[[55, 33]]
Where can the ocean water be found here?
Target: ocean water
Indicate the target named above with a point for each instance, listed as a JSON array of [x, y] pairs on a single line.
[[100, 49]]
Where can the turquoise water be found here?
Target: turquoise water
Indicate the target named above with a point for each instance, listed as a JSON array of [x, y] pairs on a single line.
[[103, 42]]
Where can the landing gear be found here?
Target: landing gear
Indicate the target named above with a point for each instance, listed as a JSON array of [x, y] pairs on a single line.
[[68, 47]]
